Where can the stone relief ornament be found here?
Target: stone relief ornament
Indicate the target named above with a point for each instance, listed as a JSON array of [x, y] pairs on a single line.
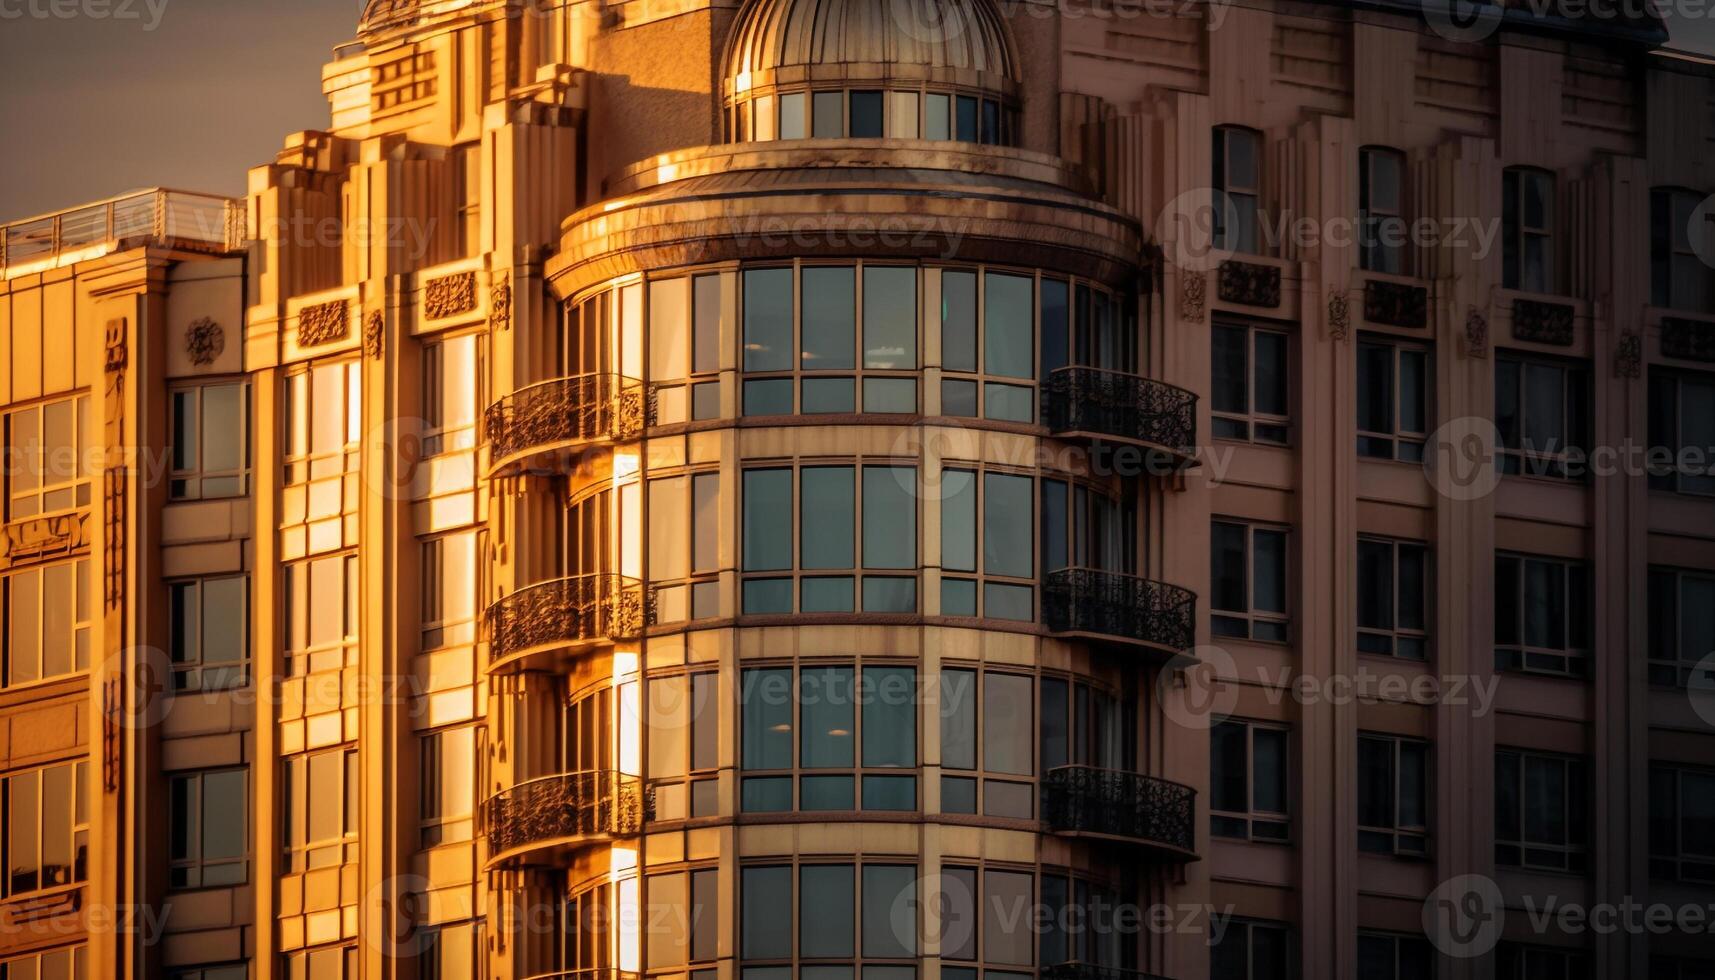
[[1690, 340], [322, 323], [1542, 323], [500, 305], [204, 341], [1629, 356], [449, 296], [1250, 283], [373, 330], [1476, 339], [1339, 315], [1396, 304], [1193, 293]]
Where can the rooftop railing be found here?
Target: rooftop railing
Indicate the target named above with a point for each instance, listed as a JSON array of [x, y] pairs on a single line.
[[168, 217]]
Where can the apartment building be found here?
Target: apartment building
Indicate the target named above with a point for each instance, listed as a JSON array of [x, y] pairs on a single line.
[[883, 489]]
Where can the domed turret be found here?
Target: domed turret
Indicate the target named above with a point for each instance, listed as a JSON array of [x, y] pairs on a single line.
[[910, 69]]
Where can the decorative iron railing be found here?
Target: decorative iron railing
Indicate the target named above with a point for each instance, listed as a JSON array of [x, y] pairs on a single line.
[[588, 973], [596, 804], [1126, 406], [566, 611], [1114, 803], [1092, 601], [1090, 971], [565, 412]]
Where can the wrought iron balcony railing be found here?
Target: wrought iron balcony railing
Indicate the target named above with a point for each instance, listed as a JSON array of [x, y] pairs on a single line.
[[566, 809], [1090, 971], [587, 973], [1099, 604], [564, 613], [1084, 800], [1093, 403], [562, 414]]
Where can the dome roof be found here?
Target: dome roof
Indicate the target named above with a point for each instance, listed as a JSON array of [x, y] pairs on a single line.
[[379, 15], [863, 40]]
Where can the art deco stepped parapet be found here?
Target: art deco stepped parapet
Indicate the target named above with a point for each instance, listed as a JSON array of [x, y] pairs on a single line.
[[538, 625], [563, 811], [1083, 801], [1090, 403], [1113, 607], [530, 429]]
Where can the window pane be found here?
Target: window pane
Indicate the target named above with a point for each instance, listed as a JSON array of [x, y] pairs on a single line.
[[829, 732], [1375, 388], [223, 432], [829, 119], [1008, 328], [866, 115], [890, 717], [1270, 577], [959, 914], [889, 910], [1375, 585], [937, 118], [792, 116], [1006, 724], [1228, 776], [828, 512], [890, 317], [1271, 373], [890, 517], [1007, 898], [768, 319], [1227, 559], [1231, 381], [958, 719], [767, 519], [767, 719], [1056, 727], [1375, 782], [765, 934], [1055, 323], [1007, 532], [1270, 770], [223, 814], [830, 318], [958, 320], [825, 910]]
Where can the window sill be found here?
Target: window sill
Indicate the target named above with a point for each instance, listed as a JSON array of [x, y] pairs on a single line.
[[45, 903]]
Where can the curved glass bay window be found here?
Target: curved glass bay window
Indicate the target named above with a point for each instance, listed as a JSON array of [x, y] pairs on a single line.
[[838, 735], [834, 920]]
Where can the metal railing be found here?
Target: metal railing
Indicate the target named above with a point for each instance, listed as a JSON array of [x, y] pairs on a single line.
[[595, 804], [566, 611], [1097, 602], [166, 216], [1116, 803], [565, 412], [1123, 405]]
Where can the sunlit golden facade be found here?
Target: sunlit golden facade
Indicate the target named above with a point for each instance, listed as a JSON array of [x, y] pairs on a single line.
[[790, 490]]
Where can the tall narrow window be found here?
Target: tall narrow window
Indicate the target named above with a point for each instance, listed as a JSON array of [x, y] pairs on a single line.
[[1237, 183], [211, 445], [1251, 385], [1682, 432], [1678, 278], [986, 725], [452, 372], [1682, 824], [450, 572], [323, 408], [1541, 811], [210, 828], [1527, 218], [1248, 592], [1682, 626], [447, 785], [1381, 210], [49, 615], [1248, 781], [208, 632], [1542, 409], [1383, 956], [1394, 387], [1393, 598], [1393, 796], [1542, 615], [319, 810]]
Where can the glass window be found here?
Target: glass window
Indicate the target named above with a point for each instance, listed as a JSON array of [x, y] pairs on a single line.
[[47, 827], [1250, 950], [321, 611], [866, 115], [765, 934], [830, 318], [768, 319], [1682, 824], [890, 318], [447, 784], [830, 115], [902, 120], [1237, 189], [49, 613], [890, 517], [209, 828], [323, 408], [831, 728], [451, 586], [72, 963], [1527, 234], [1393, 400], [208, 632], [452, 376], [1250, 400], [211, 445], [1542, 409], [852, 915], [1007, 328], [1393, 796], [1249, 572], [1682, 432], [966, 112], [1681, 624], [1541, 807], [50, 462], [1381, 210], [1542, 615], [1248, 782], [1382, 956], [1393, 607], [1678, 278], [793, 115], [320, 793], [937, 117], [767, 520]]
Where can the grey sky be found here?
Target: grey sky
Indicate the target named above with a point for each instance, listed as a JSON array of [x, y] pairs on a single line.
[[192, 93]]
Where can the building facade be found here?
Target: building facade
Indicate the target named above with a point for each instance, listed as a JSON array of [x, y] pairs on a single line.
[[860, 490]]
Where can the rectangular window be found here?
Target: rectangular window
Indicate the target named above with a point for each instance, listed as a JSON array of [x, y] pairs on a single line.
[[837, 372], [1383, 956], [1542, 615], [1393, 598], [1515, 961], [1527, 233], [1237, 184], [1682, 824], [211, 441], [47, 828], [1381, 210], [829, 118], [1251, 384], [72, 963], [1678, 278], [451, 586], [1682, 626], [1248, 782], [1542, 410], [210, 829], [857, 729], [452, 952], [685, 509], [208, 632], [1682, 432], [1248, 592], [49, 613], [1541, 808], [986, 743], [1251, 950], [845, 918], [321, 614], [1007, 565], [1393, 796], [1680, 968], [832, 548], [50, 467], [1394, 387], [323, 411], [447, 784], [320, 794], [684, 722], [452, 378], [322, 963]]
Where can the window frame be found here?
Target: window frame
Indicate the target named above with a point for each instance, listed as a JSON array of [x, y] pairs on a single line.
[[1518, 235], [187, 483], [1276, 624], [194, 866], [310, 854], [301, 462], [1395, 636], [1576, 583], [1406, 949], [1248, 928], [192, 675], [1670, 863], [76, 834], [1403, 839], [987, 587], [1679, 669], [1574, 816], [436, 828], [794, 866], [85, 440], [1260, 427], [1246, 200], [314, 658], [1514, 961], [1373, 254], [696, 595], [1516, 457], [1672, 478], [439, 437], [981, 777], [761, 116], [1222, 821], [438, 631], [1404, 445], [79, 620], [1668, 252]]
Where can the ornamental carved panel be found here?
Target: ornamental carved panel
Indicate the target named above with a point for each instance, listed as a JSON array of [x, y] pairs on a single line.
[[1689, 340], [374, 332], [1193, 295], [1339, 315], [204, 341], [1475, 340], [1249, 283], [43, 538], [1542, 323], [500, 305], [449, 296], [323, 323], [1629, 356], [1394, 304]]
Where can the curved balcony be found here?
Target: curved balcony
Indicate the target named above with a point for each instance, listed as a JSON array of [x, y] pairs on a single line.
[[536, 429], [1096, 405], [541, 626], [548, 816], [1114, 608], [1090, 971], [1083, 801]]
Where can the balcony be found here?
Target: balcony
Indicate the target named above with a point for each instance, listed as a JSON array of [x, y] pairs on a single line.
[[540, 626], [1111, 804], [1090, 971], [1093, 404], [545, 817], [172, 219], [539, 428], [1119, 609]]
